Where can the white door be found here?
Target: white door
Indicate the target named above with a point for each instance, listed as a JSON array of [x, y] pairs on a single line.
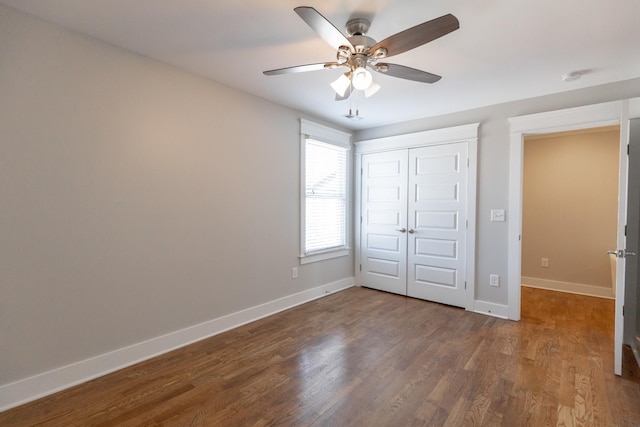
[[413, 217], [384, 221], [623, 188], [437, 223], [631, 301]]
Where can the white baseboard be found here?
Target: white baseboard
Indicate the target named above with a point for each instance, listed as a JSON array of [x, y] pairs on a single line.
[[32, 388], [572, 288], [491, 309]]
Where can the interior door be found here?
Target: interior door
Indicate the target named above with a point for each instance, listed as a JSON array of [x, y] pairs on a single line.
[[632, 288], [631, 295], [437, 223], [383, 221], [621, 251]]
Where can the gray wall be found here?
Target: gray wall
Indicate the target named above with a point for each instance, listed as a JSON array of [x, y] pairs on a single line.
[[493, 165], [135, 199]]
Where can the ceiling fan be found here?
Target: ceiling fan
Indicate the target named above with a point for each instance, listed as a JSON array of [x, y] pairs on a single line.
[[359, 53]]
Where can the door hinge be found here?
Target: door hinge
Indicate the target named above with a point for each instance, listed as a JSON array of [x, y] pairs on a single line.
[[465, 285], [467, 224], [623, 310], [360, 219], [625, 230], [360, 267], [467, 162], [628, 148], [361, 171]]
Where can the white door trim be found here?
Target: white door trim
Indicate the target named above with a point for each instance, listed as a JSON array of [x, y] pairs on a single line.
[[605, 114], [468, 133], [634, 108], [419, 139]]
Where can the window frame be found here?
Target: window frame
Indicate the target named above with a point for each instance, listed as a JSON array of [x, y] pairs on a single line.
[[327, 135]]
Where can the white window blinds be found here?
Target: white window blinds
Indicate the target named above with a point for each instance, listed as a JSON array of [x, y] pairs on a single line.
[[325, 183]]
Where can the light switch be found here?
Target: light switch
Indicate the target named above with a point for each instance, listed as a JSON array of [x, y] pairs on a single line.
[[497, 215]]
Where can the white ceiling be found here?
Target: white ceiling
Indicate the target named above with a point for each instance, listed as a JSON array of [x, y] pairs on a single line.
[[503, 51]]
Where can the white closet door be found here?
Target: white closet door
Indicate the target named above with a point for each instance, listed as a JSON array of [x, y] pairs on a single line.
[[437, 223], [384, 216]]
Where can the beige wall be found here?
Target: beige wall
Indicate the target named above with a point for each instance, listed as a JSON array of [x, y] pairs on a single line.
[[569, 211]]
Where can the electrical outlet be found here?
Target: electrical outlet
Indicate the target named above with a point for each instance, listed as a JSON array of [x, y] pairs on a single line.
[[544, 262], [294, 273], [494, 280]]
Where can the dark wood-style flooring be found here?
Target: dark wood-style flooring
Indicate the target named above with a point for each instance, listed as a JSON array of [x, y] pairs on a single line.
[[367, 358]]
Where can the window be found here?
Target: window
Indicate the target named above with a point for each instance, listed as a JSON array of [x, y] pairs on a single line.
[[325, 196], [325, 192]]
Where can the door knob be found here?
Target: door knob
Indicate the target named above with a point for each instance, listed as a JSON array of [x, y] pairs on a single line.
[[411, 230], [621, 253], [402, 230]]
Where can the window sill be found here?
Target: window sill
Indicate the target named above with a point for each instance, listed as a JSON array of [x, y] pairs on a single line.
[[307, 259]]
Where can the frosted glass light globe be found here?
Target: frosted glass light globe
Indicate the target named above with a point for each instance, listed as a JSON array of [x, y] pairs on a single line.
[[361, 78]]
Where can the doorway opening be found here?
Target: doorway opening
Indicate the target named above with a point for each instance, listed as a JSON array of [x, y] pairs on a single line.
[[615, 113], [570, 210]]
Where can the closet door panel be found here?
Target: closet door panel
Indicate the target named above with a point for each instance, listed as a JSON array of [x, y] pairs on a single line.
[[437, 209], [384, 216]]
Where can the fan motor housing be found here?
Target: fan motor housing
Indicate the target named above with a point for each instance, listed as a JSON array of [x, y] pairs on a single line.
[[356, 29], [362, 43], [358, 26]]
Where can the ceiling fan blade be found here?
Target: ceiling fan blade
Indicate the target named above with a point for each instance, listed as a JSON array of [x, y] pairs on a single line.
[[418, 35], [407, 73], [302, 68], [323, 27]]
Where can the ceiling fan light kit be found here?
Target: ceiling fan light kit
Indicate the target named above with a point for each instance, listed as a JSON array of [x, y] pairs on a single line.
[[361, 78], [373, 88], [360, 53], [342, 84]]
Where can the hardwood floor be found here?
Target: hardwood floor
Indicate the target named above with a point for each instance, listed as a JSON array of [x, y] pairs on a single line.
[[367, 358]]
